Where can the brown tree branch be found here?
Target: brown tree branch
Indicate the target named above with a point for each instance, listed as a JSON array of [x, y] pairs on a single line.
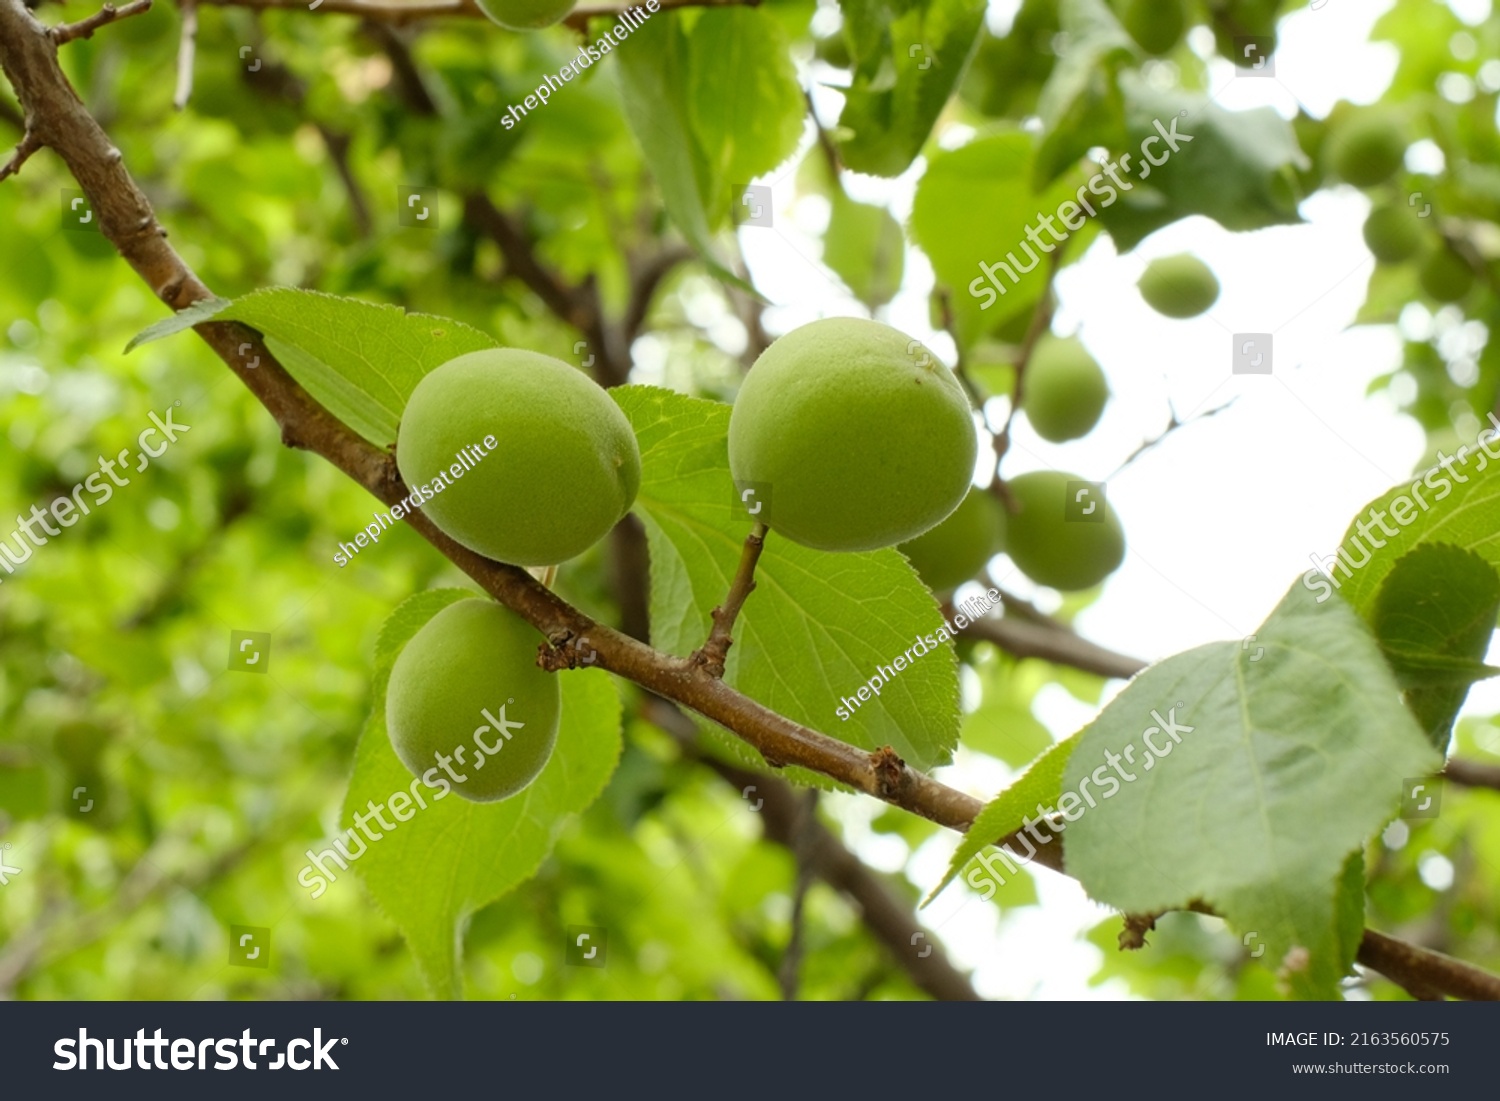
[[1050, 641], [64, 33], [28, 56], [397, 12], [1473, 774]]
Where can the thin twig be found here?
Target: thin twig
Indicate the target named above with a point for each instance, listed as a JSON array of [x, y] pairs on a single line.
[[187, 50], [29, 144], [1172, 426], [710, 656], [66, 32], [789, 975]]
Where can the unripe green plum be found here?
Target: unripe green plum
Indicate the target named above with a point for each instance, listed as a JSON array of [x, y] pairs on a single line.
[[1179, 286], [957, 549], [1064, 390], [1052, 550], [1367, 149], [467, 686], [1393, 234], [1156, 25], [526, 15], [1445, 275], [852, 436], [564, 470]]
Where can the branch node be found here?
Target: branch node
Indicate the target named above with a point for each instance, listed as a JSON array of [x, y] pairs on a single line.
[[890, 772], [1133, 935]]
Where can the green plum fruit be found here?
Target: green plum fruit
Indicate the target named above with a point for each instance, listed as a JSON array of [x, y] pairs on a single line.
[[1064, 390], [848, 436], [1445, 275], [526, 15], [468, 704], [1179, 286], [1367, 149], [1053, 545], [1393, 234], [957, 549], [564, 465], [1156, 25]]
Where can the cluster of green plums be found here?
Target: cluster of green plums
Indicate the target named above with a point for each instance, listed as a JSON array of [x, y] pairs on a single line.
[[846, 435]]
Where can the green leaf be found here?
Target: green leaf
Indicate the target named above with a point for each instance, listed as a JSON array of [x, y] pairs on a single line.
[[865, 248], [1010, 810], [1434, 617], [205, 310], [1239, 169], [360, 360], [902, 79], [1457, 504], [655, 76], [746, 104], [1080, 105], [973, 206], [816, 626], [1260, 770], [454, 856]]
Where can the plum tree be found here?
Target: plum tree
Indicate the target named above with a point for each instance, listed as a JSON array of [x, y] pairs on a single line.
[[565, 466], [958, 548], [1065, 390], [467, 691], [1156, 25], [1056, 547], [1393, 234], [851, 436], [1179, 286], [1367, 149], [1445, 275], [526, 15]]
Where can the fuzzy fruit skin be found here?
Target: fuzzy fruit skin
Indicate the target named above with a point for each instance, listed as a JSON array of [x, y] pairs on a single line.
[[471, 657], [1051, 550], [1367, 149], [857, 442], [1393, 234], [1064, 391], [1445, 276], [526, 15], [1156, 25], [957, 549], [565, 469], [1179, 286]]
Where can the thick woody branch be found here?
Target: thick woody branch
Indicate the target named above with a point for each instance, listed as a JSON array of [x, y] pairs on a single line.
[[28, 56]]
